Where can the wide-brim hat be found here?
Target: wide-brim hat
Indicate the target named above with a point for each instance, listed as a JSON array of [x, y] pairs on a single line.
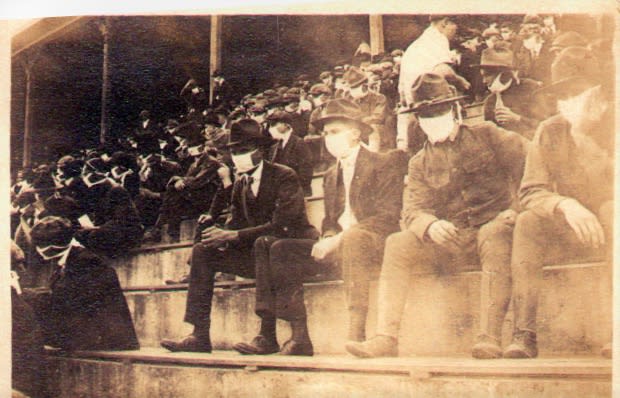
[[569, 39], [342, 109], [431, 91], [573, 70], [247, 131], [500, 57], [490, 32], [355, 77]]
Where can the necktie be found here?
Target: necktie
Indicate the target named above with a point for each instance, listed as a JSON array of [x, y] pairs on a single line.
[[247, 195]]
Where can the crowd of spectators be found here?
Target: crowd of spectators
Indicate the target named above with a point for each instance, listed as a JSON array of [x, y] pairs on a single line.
[[129, 190]]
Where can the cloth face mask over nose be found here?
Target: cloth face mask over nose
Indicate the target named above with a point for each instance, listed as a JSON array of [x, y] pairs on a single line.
[[438, 128], [243, 162], [338, 145]]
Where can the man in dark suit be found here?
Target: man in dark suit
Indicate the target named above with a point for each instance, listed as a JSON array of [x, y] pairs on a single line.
[[289, 149], [266, 200], [363, 195]]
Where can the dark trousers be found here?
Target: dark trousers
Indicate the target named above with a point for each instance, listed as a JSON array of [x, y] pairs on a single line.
[[540, 240], [282, 265], [236, 259]]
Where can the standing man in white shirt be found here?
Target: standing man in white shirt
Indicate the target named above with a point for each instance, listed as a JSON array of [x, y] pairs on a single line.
[[428, 53]]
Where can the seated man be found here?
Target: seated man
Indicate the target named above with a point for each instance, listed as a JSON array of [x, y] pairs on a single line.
[[289, 149], [266, 200], [363, 196], [189, 195], [567, 188], [456, 211], [511, 104]]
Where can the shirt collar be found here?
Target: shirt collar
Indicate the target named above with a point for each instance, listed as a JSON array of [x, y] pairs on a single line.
[[258, 172]]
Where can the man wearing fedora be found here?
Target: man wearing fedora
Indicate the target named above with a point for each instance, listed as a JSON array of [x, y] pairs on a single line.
[[363, 196], [266, 199], [511, 103], [456, 211], [289, 149], [372, 104], [567, 188]]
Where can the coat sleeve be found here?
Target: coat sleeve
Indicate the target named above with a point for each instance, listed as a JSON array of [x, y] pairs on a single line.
[[205, 174], [418, 200], [536, 191], [305, 167], [388, 197], [289, 204]]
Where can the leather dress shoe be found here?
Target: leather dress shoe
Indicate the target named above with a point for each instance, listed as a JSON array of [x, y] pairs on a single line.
[[260, 345], [292, 347], [190, 343], [378, 346]]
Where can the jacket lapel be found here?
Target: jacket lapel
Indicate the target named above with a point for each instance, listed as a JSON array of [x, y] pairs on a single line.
[[359, 176]]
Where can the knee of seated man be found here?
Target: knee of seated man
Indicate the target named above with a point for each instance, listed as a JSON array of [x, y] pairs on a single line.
[[529, 223], [404, 240]]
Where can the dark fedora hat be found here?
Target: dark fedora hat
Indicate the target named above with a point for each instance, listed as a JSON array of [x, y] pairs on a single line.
[[247, 131], [430, 92], [342, 109], [280, 116], [355, 77], [497, 58], [573, 70]]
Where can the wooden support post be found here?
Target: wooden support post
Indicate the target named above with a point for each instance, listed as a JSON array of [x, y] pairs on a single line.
[[376, 34], [104, 27], [215, 53], [28, 65]]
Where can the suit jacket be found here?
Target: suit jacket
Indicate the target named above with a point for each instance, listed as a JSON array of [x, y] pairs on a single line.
[[375, 194], [278, 209], [298, 157]]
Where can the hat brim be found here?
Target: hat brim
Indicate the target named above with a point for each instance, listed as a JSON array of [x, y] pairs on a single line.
[[366, 129], [430, 104], [258, 141], [564, 85]]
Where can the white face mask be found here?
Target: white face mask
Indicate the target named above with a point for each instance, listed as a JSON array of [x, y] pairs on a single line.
[[52, 251], [579, 109], [276, 134], [438, 128], [244, 162], [339, 145]]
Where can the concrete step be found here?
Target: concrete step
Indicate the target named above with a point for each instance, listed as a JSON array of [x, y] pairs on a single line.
[[156, 373], [441, 315]]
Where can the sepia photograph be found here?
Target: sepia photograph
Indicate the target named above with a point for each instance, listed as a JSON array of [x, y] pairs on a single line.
[[311, 204]]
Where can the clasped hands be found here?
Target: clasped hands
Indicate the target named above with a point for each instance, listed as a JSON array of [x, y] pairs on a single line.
[[215, 237]]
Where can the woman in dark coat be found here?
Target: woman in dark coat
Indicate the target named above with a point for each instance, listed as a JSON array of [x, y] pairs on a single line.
[[86, 309]]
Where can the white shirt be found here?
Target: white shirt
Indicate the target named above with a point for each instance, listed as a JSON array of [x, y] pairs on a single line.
[[422, 56], [347, 219]]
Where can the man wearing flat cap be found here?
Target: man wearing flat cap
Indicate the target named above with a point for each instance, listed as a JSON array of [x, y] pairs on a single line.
[[363, 196], [567, 189], [266, 199], [456, 212], [289, 149], [511, 103], [372, 104]]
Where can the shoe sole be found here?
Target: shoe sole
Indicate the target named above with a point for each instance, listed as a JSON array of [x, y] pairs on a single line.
[[171, 348], [247, 349], [358, 352], [517, 355]]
